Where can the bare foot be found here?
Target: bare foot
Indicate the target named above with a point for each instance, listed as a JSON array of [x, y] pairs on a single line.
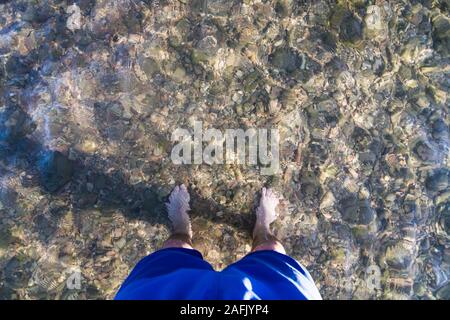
[[263, 239], [265, 213], [177, 209]]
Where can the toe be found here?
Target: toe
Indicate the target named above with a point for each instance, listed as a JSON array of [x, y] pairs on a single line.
[[184, 193], [174, 193], [169, 208]]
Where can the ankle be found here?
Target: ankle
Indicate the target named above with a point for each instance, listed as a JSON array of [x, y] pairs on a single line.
[[173, 243], [261, 230], [181, 236], [273, 245], [182, 230]]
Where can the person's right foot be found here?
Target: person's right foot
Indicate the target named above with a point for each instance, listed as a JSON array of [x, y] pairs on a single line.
[[177, 209], [265, 213]]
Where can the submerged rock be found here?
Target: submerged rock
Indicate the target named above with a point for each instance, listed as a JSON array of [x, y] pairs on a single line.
[[349, 26], [218, 7], [350, 29], [286, 60], [17, 273], [38, 13], [375, 25], [424, 152], [438, 180], [440, 130], [74, 21], [55, 170], [14, 124], [356, 211], [441, 34], [444, 292], [86, 5], [5, 238], [398, 257]]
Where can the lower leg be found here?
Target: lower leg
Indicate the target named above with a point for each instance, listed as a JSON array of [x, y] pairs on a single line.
[[263, 239], [178, 240], [177, 209], [267, 241]]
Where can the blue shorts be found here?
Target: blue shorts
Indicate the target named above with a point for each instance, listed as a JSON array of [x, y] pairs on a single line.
[[177, 273]]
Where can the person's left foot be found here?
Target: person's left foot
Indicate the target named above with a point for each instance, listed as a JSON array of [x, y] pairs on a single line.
[[177, 209], [265, 213]]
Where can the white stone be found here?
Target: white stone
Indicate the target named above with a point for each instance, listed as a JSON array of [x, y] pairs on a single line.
[[74, 22]]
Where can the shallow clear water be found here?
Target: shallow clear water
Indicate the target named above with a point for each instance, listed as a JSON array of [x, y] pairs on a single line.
[[91, 92]]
